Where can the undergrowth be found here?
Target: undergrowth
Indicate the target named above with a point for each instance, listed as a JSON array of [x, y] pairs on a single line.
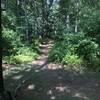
[[76, 51]]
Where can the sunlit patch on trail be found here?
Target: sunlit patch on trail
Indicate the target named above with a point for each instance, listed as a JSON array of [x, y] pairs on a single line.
[[17, 77], [49, 92], [80, 95], [52, 97], [60, 88], [31, 87]]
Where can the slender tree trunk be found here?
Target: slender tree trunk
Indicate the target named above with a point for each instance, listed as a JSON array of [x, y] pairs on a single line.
[[76, 25], [77, 13], [1, 70], [1, 80], [43, 18], [67, 21], [26, 21]]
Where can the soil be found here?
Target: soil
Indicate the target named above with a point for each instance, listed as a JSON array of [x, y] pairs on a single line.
[[41, 80]]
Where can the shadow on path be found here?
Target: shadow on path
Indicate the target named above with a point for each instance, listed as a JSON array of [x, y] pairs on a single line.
[[42, 81]]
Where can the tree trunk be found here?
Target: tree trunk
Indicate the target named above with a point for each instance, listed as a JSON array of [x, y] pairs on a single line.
[[1, 80], [26, 21], [77, 14], [76, 26], [1, 70], [67, 21]]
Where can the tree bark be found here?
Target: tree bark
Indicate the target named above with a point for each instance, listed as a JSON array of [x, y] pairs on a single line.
[[1, 70], [26, 21], [76, 26], [1, 80]]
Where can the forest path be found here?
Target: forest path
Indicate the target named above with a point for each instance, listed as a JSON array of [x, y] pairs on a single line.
[[42, 60], [51, 82], [41, 80]]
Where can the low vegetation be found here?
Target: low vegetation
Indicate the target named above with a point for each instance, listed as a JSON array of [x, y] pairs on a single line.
[[76, 50]]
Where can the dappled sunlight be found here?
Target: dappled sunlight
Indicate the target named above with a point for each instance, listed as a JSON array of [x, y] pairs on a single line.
[[36, 71], [28, 70], [31, 87], [60, 88], [50, 50], [53, 84], [17, 77], [52, 97], [39, 62], [40, 80], [52, 66], [49, 92], [82, 96], [59, 85]]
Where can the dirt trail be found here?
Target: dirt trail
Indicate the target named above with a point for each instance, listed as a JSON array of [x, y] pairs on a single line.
[[42, 59], [41, 80], [54, 83]]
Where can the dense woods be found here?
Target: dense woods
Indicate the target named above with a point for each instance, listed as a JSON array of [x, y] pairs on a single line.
[[72, 25]]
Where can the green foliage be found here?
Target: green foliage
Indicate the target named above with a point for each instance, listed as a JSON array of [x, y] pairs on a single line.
[[90, 21], [72, 60], [87, 49], [67, 45], [17, 59], [76, 50], [57, 52], [14, 51], [9, 34], [8, 40], [8, 19], [97, 38], [65, 22], [74, 38], [95, 63], [23, 55], [22, 59], [26, 51], [90, 51]]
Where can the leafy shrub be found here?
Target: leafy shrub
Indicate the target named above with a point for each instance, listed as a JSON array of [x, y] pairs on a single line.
[[9, 34], [35, 44], [76, 50], [20, 58], [14, 51], [26, 51], [95, 63], [98, 39], [23, 58], [87, 49], [21, 55], [90, 51], [24, 54], [8, 19], [67, 45], [74, 39], [58, 52], [8, 37], [72, 60]]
